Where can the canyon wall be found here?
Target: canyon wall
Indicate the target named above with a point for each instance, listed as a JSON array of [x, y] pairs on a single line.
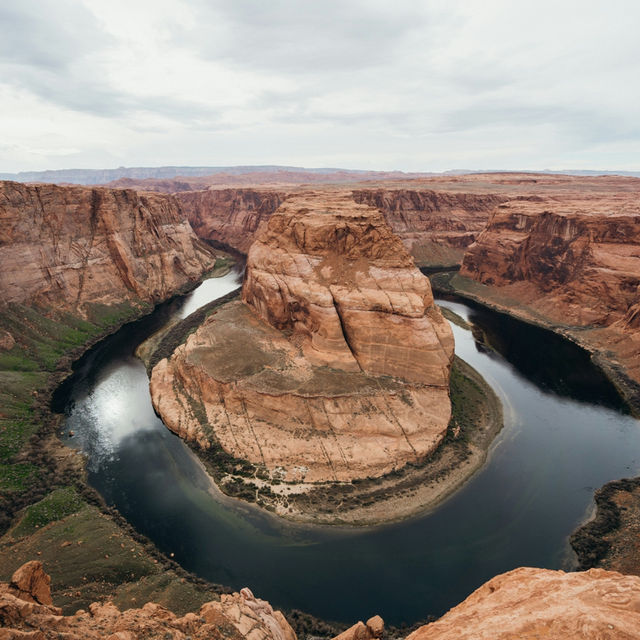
[[69, 247], [436, 227], [229, 217], [335, 366], [574, 261]]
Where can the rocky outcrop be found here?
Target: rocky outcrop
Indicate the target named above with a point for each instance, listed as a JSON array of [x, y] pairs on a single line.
[[436, 227], [335, 366], [572, 261], [538, 603], [582, 257], [229, 217], [239, 616], [69, 247]]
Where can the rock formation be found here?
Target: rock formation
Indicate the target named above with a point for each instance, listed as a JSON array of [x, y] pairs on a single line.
[[574, 260], [229, 217], [538, 603], [67, 247], [25, 614], [335, 366], [436, 227]]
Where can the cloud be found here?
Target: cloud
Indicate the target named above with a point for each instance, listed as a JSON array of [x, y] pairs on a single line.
[[406, 85]]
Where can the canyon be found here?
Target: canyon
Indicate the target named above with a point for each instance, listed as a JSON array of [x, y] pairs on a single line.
[[558, 251], [335, 365]]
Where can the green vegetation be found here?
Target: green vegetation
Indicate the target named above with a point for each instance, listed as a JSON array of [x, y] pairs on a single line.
[[44, 342], [58, 504], [90, 556]]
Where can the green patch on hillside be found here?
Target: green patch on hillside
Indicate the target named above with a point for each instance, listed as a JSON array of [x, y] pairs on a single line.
[[89, 557], [57, 505]]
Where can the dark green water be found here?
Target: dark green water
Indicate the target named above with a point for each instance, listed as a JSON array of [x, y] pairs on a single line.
[[566, 434]]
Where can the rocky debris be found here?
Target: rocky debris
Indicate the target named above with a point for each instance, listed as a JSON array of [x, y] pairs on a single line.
[[7, 341], [539, 603], [374, 628], [337, 364], [236, 617], [31, 583], [229, 217], [69, 247]]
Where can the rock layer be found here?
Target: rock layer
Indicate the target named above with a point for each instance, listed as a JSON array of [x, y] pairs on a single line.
[[573, 260], [538, 603], [23, 614], [67, 247], [336, 365], [436, 227], [229, 217]]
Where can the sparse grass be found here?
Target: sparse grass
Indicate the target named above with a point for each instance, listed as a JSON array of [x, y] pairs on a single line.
[[57, 505]]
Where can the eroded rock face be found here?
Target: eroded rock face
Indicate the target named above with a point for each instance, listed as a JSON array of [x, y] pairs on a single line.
[[335, 366], [235, 617], [538, 603], [436, 227], [575, 260], [67, 247], [229, 216]]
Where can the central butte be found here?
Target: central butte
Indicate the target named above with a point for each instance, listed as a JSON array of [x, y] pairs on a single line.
[[333, 367]]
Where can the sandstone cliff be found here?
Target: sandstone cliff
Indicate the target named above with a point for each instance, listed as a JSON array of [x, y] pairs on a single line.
[[436, 227], [69, 247], [230, 217], [26, 611], [538, 603], [573, 260], [336, 365]]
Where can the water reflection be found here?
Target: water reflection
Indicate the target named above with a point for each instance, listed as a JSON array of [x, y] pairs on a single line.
[[554, 451]]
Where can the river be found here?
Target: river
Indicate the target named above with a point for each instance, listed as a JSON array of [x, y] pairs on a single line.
[[566, 434]]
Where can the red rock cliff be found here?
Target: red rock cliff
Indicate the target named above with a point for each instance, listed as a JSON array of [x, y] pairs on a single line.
[[26, 611], [574, 261], [72, 246], [229, 216], [435, 226]]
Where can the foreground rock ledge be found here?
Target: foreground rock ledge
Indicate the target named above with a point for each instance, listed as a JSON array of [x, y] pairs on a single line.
[[26, 611], [538, 603], [336, 364]]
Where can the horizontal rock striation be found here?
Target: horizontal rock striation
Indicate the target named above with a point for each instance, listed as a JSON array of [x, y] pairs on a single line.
[[229, 217], [573, 260], [66, 247], [436, 227], [335, 366], [538, 603]]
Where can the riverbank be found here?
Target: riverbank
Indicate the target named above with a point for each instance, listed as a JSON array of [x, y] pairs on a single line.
[[48, 510], [609, 539], [452, 282], [415, 489]]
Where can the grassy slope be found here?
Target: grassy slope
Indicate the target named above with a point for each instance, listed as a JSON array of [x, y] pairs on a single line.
[[46, 510]]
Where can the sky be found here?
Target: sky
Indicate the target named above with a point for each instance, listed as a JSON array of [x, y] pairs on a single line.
[[406, 85]]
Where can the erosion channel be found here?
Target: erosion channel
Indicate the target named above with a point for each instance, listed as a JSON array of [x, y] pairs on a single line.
[[566, 433]]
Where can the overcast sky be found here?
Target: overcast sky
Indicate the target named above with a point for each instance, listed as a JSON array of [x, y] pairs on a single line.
[[403, 84]]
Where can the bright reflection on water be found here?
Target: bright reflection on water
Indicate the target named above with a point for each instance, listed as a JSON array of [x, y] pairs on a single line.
[[564, 436]]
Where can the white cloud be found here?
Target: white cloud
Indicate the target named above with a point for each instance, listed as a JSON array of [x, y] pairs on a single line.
[[358, 83]]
